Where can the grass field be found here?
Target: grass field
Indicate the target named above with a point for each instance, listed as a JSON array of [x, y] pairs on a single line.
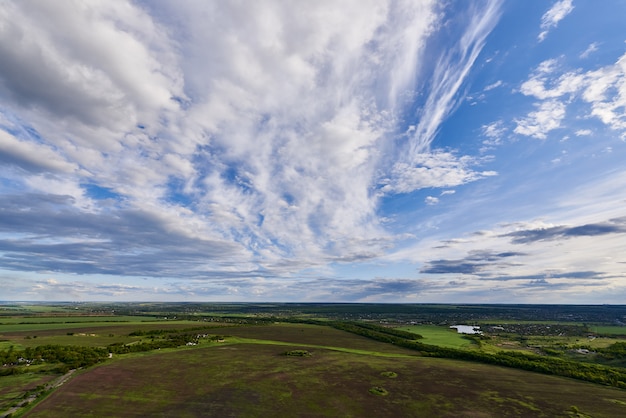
[[240, 378], [612, 330], [13, 387], [441, 336], [249, 375]]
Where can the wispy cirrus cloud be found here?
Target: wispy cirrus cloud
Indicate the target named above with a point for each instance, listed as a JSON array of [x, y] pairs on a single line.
[[448, 76], [553, 16], [593, 47]]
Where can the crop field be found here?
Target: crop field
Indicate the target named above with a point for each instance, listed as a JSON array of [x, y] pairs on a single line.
[[244, 379]]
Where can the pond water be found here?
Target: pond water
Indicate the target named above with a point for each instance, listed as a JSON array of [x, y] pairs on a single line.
[[467, 329]]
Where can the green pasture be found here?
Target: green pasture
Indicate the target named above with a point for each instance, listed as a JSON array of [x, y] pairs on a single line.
[[496, 321], [6, 344], [440, 336], [607, 329]]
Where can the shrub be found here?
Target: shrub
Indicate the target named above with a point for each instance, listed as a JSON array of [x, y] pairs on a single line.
[[380, 391], [298, 353]]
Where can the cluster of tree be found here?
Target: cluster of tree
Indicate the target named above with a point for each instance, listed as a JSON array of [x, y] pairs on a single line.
[[374, 331], [72, 357], [298, 353], [613, 351], [171, 341], [155, 332]]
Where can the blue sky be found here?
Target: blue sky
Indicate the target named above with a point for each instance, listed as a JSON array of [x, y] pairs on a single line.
[[353, 151]]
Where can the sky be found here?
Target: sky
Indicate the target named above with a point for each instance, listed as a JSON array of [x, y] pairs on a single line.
[[328, 151]]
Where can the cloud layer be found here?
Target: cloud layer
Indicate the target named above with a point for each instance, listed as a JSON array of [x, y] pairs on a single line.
[[258, 149]]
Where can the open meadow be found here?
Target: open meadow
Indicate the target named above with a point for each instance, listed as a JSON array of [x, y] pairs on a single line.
[[258, 379], [276, 361]]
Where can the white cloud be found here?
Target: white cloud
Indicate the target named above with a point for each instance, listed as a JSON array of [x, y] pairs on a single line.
[[583, 132], [493, 85], [32, 156], [539, 123], [448, 76], [97, 65], [559, 247], [431, 200], [222, 139], [593, 47], [438, 169], [553, 16], [604, 89], [542, 83], [262, 124], [494, 133]]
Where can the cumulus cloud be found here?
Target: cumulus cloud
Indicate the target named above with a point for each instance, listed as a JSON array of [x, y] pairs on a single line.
[[494, 133], [602, 90], [99, 65], [546, 118], [431, 200], [437, 169], [553, 16]]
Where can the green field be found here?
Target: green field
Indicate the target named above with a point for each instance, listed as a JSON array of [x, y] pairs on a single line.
[[441, 336], [611, 330]]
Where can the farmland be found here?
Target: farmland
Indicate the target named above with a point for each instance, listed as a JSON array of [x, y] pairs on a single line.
[[212, 360]]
